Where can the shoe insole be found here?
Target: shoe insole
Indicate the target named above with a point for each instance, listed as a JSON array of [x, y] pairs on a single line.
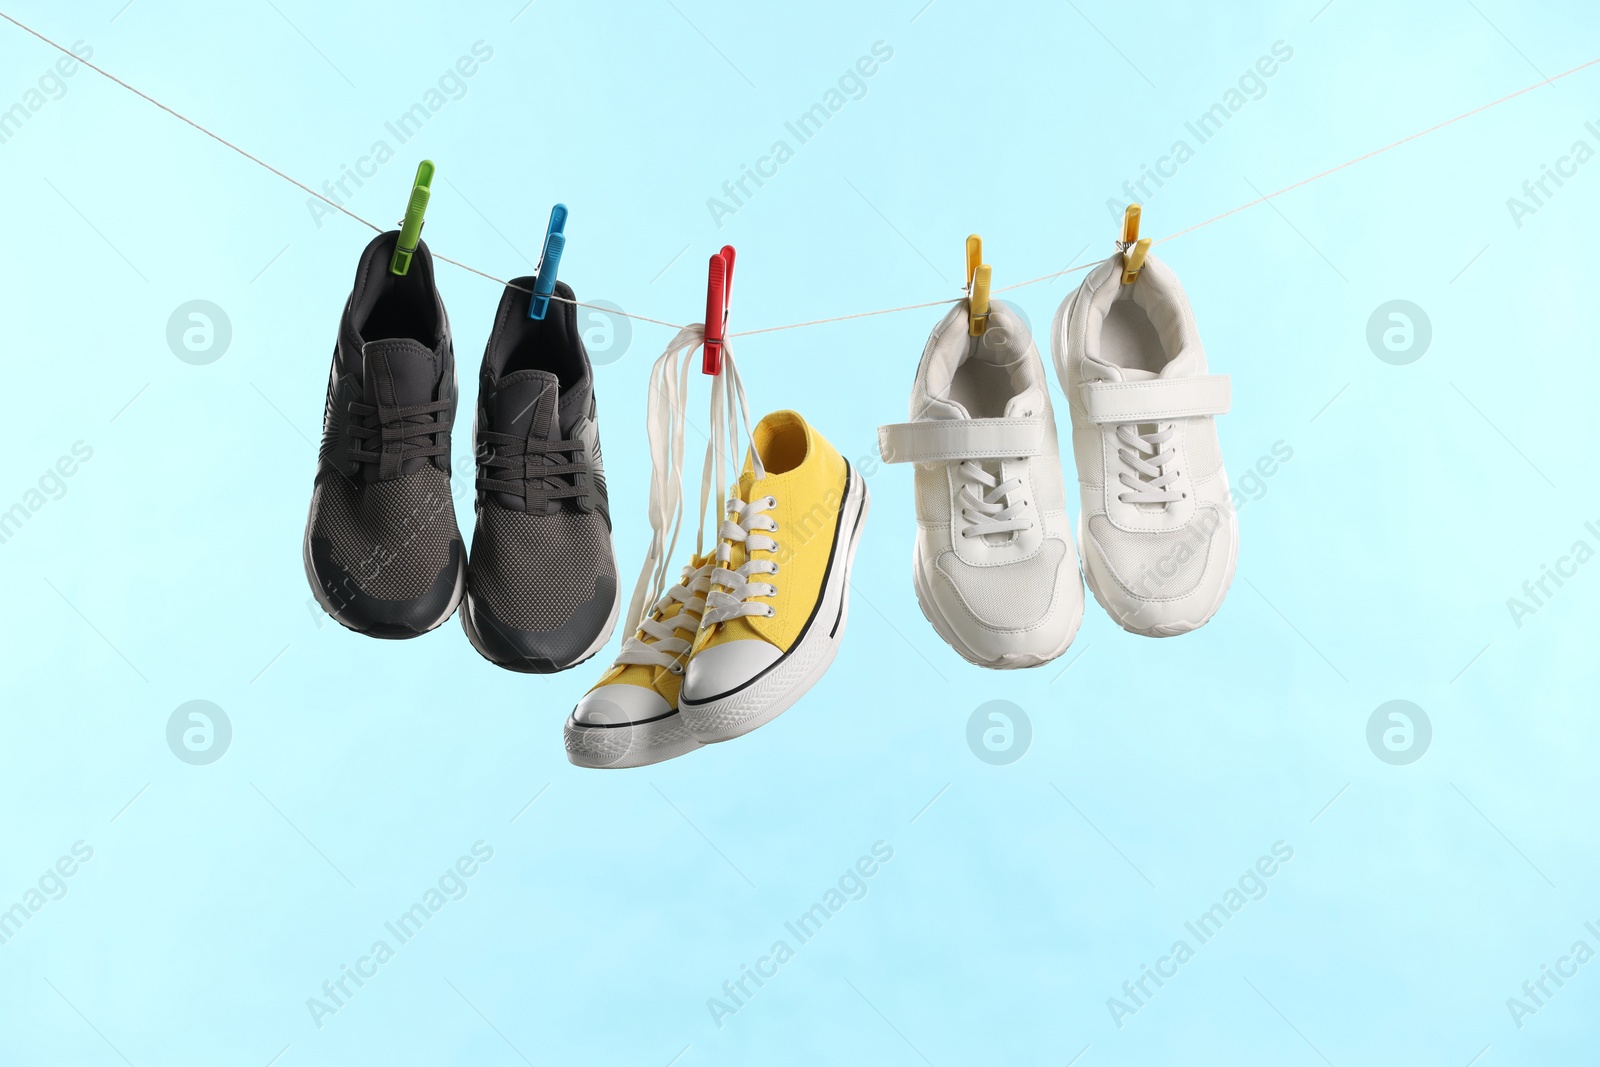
[[545, 344], [983, 388], [539, 350], [1129, 339], [405, 308]]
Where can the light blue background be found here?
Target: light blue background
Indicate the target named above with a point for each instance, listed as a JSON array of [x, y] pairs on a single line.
[[1376, 563]]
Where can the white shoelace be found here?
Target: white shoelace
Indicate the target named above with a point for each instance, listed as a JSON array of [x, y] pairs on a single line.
[[991, 512], [747, 523], [666, 415], [657, 642], [1150, 478]]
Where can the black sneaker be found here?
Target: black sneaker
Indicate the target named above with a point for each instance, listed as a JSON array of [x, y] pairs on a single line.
[[542, 590], [381, 549]]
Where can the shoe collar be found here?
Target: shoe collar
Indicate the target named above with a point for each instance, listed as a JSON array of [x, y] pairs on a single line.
[[1162, 298], [1006, 343]]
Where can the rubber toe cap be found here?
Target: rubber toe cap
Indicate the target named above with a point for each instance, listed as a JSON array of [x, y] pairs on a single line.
[[716, 671], [620, 705]]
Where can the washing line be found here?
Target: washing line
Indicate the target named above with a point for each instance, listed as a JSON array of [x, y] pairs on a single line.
[[837, 318]]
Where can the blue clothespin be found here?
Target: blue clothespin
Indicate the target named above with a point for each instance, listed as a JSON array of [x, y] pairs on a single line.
[[544, 282]]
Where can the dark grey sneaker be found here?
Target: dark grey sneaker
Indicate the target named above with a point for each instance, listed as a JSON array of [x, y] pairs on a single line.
[[542, 590], [382, 550]]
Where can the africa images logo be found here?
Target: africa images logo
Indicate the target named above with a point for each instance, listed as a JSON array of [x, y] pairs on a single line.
[[851, 85], [1252, 885], [453, 884], [851, 885], [450, 85]]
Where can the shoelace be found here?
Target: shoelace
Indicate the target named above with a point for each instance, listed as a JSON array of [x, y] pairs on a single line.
[[384, 426], [657, 642], [531, 469], [1149, 481], [665, 418], [992, 512], [749, 524]]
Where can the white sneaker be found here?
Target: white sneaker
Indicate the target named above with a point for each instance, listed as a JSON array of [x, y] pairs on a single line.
[[994, 567], [1157, 530]]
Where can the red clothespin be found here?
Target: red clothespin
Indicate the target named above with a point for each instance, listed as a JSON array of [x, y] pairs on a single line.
[[719, 287]]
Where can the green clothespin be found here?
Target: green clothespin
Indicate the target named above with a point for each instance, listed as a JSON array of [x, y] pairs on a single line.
[[411, 226]]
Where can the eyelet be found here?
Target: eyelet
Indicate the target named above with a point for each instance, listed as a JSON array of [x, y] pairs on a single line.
[[676, 668], [771, 611]]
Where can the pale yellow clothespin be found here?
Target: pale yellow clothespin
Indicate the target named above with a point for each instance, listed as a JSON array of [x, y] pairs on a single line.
[[1134, 248], [978, 274]]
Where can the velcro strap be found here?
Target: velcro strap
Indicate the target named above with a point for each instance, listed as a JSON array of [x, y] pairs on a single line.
[[1158, 399], [950, 440]]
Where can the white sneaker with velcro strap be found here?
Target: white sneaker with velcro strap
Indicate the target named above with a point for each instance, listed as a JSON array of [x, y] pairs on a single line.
[[1157, 530], [994, 567]]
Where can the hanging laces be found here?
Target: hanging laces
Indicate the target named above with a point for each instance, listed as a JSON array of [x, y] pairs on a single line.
[[666, 416], [745, 522], [656, 642], [664, 412]]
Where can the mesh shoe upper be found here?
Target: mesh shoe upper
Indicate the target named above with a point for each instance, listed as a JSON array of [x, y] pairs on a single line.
[[1011, 596], [1159, 532], [382, 546], [542, 581], [393, 538], [535, 568], [994, 567]]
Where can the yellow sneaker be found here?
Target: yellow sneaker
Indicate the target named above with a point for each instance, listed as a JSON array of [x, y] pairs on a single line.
[[630, 718], [779, 595]]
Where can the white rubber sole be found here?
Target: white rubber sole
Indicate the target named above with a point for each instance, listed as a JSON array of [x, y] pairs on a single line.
[[1059, 356], [628, 745], [776, 689], [1169, 629], [942, 627]]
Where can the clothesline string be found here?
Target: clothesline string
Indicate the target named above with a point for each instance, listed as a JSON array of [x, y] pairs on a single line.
[[812, 322]]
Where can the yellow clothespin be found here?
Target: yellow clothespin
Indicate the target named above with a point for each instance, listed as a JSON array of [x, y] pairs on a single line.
[[978, 274], [1134, 248]]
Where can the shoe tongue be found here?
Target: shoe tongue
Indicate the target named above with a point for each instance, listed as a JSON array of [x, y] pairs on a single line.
[[747, 484], [398, 372], [943, 408], [1017, 407], [531, 404], [524, 400], [1026, 402], [1187, 362], [574, 403], [534, 398]]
